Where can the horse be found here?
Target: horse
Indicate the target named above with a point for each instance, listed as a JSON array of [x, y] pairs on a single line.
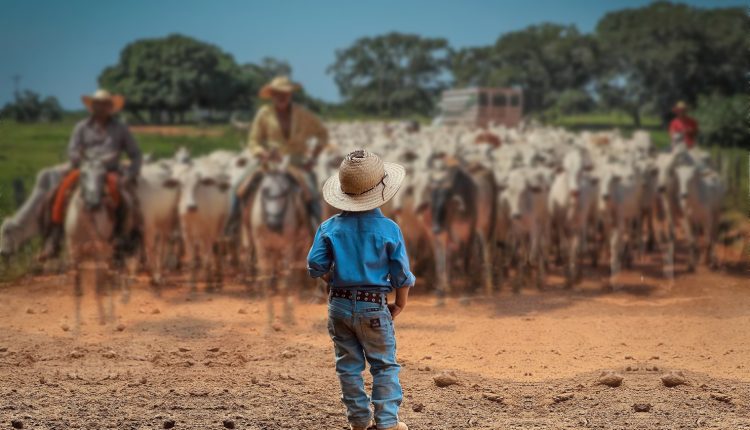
[[276, 226], [89, 228]]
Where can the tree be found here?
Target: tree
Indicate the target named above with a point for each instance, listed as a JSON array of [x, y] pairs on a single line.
[[174, 74], [723, 120], [544, 60], [29, 106], [391, 74], [665, 52]]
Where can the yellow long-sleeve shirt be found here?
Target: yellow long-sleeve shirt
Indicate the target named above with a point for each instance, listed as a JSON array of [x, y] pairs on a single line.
[[266, 133]]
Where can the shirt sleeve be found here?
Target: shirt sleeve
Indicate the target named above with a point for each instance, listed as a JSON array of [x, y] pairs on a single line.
[[75, 146], [134, 152], [398, 265], [319, 131], [319, 259], [257, 139]]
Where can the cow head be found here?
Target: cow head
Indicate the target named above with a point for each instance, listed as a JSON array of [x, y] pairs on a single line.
[[8, 238], [685, 175]]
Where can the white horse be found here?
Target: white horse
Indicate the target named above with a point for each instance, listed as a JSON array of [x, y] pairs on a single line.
[[89, 230], [276, 226]]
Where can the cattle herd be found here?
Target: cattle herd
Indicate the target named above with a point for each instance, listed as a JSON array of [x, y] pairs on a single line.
[[476, 212]]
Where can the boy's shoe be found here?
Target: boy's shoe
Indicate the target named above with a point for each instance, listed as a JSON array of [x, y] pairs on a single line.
[[399, 426], [371, 425]]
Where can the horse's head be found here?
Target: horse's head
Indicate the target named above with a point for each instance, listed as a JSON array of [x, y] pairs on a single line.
[[275, 191], [91, 183]]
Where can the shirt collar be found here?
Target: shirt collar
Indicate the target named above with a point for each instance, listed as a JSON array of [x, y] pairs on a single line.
[[371, 213]]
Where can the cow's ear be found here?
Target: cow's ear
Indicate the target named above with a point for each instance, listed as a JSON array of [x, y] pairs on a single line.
[[241, 162], [616, 178], [588, 167], [559, 169], [170, 183], [223, 186], [208, 181], [535, 189], [594, 180]]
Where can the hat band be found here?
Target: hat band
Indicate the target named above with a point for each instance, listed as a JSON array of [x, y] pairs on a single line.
[[381, 182]]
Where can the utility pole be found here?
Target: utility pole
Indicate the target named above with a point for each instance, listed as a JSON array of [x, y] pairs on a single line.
[[16, 84]]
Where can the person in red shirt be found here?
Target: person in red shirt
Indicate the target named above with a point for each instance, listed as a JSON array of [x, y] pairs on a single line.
[[683, 127]]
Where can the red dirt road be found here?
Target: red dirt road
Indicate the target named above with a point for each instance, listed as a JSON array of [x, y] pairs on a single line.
[[527, 361]]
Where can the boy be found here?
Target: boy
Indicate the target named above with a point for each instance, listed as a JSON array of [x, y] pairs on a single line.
[[366, 254]]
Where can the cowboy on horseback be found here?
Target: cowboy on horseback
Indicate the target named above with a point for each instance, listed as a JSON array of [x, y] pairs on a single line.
[[284, 128], [103, 136]]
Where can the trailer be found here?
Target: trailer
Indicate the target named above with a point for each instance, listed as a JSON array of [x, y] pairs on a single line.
[[481, 106]]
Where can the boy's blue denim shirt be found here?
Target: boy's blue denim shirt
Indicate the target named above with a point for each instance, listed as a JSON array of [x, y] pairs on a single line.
[[363, 249]]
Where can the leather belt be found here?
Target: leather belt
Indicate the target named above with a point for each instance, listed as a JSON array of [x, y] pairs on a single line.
[[362, 296]]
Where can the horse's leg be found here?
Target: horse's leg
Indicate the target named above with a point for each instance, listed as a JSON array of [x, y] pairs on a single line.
[[285, 273], [266, 270], [77, 294], [99, 291]]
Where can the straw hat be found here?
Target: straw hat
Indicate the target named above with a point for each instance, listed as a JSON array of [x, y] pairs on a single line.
[[364, 182], [100, 95], [280, 84], [680, 106]]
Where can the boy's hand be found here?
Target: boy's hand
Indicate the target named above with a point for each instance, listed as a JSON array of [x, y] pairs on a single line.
[[395, 309], [402, 294]]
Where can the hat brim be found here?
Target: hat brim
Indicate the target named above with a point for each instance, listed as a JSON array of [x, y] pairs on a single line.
[[267, 90], [372, 199], [118, 102]]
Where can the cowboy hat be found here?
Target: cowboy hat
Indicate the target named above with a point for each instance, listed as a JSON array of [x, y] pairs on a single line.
[[364, 182], [100, 95], [279, 84], [680, 106]]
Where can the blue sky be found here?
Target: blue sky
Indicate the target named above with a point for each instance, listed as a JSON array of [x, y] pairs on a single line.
[[59, 47]]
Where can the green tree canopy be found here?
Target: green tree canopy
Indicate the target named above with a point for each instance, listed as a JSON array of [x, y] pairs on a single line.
[[544, 60], [664, 52], [392, 74], [174, 74], [28, 106]]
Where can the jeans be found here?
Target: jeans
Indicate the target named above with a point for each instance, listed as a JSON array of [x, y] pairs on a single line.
[[364, 331]]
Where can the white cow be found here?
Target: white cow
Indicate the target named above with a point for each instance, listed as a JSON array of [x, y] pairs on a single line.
[[203, 210], [571, 199], [157, 192], [525, 196], [26, 224], [619, 204], [700, 192]]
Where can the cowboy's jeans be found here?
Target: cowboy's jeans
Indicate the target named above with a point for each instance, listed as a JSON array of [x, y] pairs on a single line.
[[364, 331]]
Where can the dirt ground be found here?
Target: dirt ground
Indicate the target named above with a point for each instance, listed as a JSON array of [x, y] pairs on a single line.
[[525, 361]]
